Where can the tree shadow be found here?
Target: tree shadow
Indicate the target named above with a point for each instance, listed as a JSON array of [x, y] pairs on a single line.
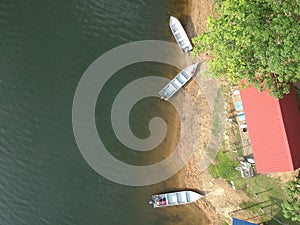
[[271, 212]]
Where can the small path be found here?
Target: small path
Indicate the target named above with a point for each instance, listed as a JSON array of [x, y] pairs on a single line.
[[246, 143]]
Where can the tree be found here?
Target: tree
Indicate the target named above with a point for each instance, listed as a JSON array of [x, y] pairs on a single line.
[[254, 41], [291, 206]]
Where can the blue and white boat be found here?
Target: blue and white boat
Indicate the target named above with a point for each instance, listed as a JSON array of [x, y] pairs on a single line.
[[175, 198]]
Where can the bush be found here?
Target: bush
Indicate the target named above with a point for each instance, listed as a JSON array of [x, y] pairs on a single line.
[[291, 206], [256, 42]]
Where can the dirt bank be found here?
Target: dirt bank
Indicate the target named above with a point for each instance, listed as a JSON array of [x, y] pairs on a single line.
[[220, 199]]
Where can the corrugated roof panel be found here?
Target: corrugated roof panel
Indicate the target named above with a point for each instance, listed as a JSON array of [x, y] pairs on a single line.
[[267, 132], [291, 118]]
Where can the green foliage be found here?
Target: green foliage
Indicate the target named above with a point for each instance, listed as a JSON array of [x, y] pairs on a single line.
[[256, 41], [225, 167], [291, 206]]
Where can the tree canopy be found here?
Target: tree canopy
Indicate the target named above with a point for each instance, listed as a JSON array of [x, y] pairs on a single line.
[[254, 42]]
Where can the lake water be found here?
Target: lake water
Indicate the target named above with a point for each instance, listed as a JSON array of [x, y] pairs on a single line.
[[45, 47]]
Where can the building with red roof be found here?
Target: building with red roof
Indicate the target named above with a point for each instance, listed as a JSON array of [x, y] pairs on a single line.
[[274, 130]]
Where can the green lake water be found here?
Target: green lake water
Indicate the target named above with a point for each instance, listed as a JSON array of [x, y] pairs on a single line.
[[45, 47]]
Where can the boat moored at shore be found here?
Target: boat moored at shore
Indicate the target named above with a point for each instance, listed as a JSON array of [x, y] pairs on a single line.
[[180, 35], [177, 82], [174, 198]]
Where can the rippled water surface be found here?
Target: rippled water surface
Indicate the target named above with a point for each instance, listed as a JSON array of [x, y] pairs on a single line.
[[45, 47]]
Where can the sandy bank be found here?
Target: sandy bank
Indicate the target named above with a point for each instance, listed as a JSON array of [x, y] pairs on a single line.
[[220, 199]]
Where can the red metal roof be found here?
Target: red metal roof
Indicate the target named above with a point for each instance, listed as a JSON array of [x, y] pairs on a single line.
[[273, 127]]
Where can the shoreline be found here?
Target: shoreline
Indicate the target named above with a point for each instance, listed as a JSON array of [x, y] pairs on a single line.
[[220, 199], [198, 12], [198, 119]]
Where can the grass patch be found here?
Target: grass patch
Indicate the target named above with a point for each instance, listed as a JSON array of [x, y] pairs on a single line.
[[267, 195], [224, 166], [226, 161], [239, 144], [218, 127]]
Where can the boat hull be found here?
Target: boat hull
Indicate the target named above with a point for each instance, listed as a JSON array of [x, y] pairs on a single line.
[[180, 35], [177, 82], [174, 198]]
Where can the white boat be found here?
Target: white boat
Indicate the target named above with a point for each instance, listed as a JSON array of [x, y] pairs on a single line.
[[175, 198], [180, 35], [174, 85]]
